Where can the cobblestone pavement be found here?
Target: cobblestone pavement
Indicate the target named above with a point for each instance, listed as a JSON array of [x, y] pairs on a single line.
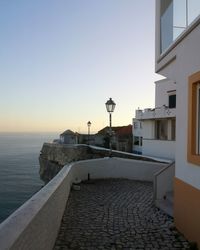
[[116, 214]]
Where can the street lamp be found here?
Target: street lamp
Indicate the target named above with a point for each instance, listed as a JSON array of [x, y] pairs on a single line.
[[110, 106], [89, 125]]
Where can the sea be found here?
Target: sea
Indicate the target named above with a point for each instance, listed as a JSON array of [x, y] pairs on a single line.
[[19, 168]]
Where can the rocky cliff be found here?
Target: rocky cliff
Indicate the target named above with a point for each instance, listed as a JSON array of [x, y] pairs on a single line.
[[54, 156]]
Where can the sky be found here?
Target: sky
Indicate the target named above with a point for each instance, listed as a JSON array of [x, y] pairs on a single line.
[[61, 60]]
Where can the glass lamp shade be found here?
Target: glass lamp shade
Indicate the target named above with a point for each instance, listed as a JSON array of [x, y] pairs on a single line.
[[110, 105], [89, 124]]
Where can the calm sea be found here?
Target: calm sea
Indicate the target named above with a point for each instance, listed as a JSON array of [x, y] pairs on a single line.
[[19, 169]]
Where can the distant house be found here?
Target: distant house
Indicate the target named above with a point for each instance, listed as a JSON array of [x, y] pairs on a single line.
[[121, 138], [124, 138], [68, 137]]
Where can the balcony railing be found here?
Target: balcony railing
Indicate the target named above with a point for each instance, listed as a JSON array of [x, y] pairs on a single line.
[[156, 113]]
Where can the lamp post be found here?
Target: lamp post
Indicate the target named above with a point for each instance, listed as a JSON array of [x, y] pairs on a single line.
[[110, 106], [89, 125]]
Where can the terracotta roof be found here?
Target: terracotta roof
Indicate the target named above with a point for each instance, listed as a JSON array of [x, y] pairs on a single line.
[[120, 130], [125, 130]]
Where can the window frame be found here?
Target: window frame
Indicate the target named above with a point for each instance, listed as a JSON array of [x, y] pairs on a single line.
[[194, 86], [170, 95]]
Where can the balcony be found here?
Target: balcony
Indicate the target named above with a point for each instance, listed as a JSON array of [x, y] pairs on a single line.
[[156, 113], [112, 210]]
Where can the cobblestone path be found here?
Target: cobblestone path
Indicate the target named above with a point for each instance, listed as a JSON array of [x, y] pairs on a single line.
[[116, 214]]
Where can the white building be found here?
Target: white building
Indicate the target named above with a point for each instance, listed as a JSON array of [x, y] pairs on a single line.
[[154, 129], [178, 58], [68, 137]]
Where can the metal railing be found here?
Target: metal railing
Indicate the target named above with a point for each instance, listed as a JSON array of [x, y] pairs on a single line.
[[163, 181]]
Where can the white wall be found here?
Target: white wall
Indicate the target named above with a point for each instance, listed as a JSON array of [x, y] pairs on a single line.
[[35, 224], [181, 62], [161, 92], [158, 148], [117, 168], [188, 63], [137, 131]]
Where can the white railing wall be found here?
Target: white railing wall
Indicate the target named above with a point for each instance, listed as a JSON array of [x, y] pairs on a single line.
[[36, 223], [162, 112]]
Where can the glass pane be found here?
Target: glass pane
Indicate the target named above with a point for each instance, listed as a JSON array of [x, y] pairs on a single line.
[[193, 10], [172, 101], [167, 27], [176, 15], [177, 32], [179, 13], [136, 140]]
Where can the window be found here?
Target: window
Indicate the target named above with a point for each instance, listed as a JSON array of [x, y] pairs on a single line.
[[161, 127], [172, 101], [166, 23], [136, 140], [175, 17], [194, 119], [135, 125], [140, 141], [173, 129]]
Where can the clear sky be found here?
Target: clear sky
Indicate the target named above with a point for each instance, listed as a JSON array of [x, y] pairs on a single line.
[[61, 60]]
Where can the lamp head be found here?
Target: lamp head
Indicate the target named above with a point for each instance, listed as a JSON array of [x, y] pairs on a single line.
[[110, 105], [89, 124]]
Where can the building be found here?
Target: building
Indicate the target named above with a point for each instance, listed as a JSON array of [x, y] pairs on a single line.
[[177, 58], [154, 129], [121, 138], [68, 137], [124, 138]]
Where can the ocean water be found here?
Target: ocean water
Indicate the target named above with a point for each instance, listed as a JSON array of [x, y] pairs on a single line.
[[19, 169]]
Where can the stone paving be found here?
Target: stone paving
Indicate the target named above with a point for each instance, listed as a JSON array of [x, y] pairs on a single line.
[[116, 214]]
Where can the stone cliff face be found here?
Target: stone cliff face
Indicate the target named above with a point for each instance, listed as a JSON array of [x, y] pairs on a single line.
[[54, 156]]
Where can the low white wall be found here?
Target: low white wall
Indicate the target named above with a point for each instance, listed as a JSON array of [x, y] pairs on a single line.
[[116, 168], [35, 224], [159, 148]]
